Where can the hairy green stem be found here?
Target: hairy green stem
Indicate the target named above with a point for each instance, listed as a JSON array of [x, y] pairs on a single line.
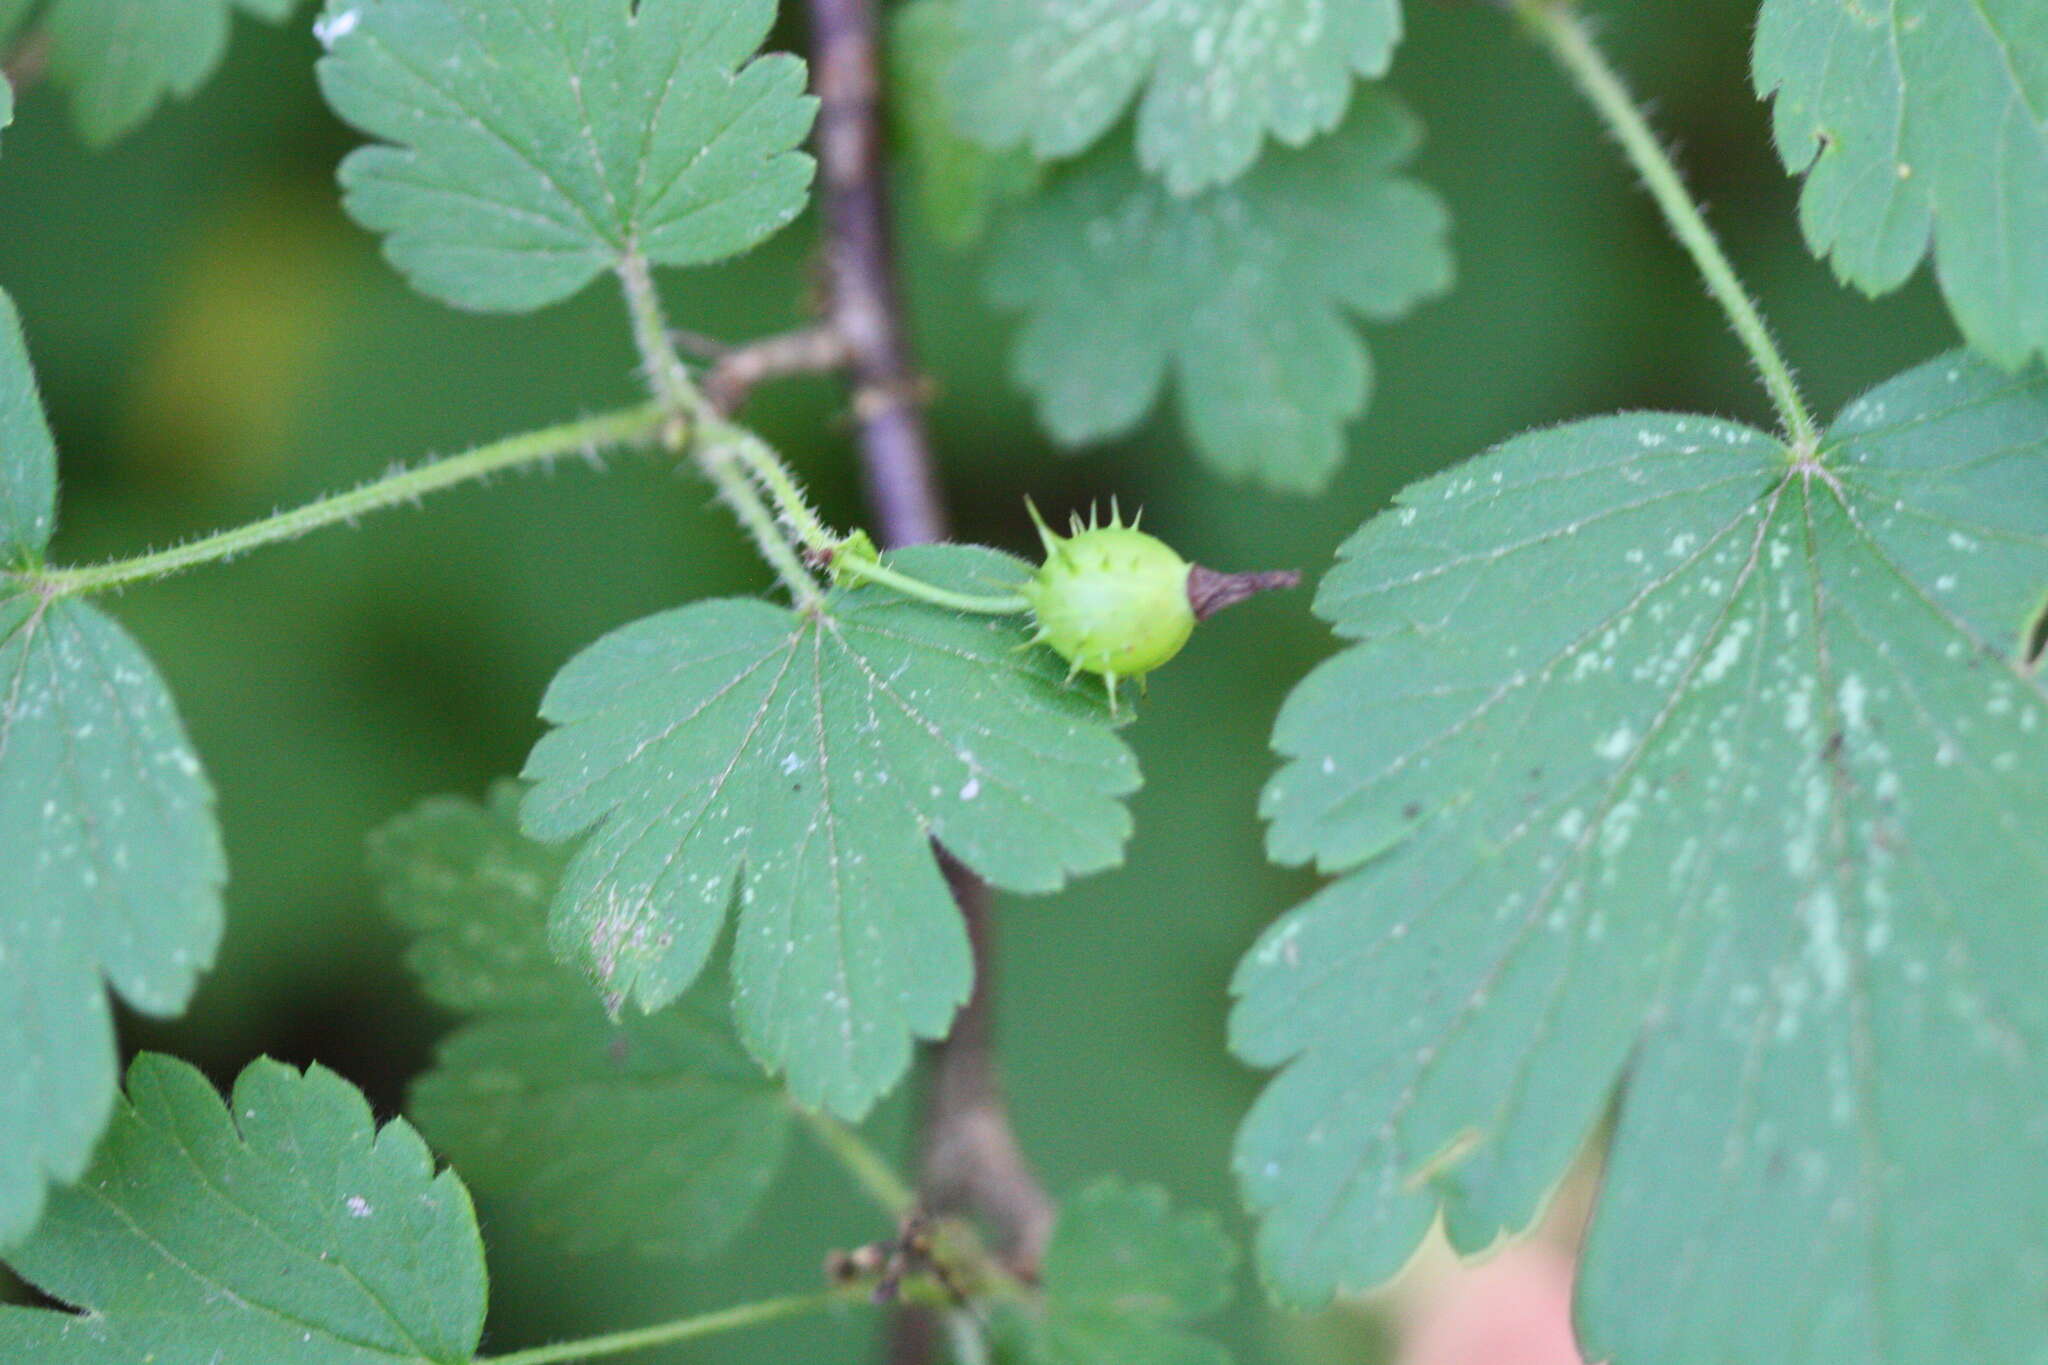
[[666, 373], [1561, 28], [682, 1329], [876, 1177], [737, 460], [761, 461], [689, 426], [408, 485]]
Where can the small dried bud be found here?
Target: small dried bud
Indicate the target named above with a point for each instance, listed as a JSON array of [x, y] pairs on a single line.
[[1210, 592]]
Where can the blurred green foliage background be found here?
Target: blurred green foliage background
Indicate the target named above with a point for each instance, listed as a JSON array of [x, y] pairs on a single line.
[[215, 339]]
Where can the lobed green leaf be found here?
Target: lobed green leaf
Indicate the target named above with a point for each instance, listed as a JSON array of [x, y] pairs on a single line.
[[1667, 761], [958, 182], [110, 863], [532, 144], [1918, 122], [120, 59], [655, 1132], [28, 456], [1241, 294], [810, 761], [286, 1228], [1219, 76]]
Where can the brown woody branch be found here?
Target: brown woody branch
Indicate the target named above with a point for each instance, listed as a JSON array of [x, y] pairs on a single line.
[[736, 371], [863, 307], [972, 1161]]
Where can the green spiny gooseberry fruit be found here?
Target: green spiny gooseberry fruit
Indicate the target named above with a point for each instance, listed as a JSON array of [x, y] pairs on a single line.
[[1114, 601], [1110, 599]]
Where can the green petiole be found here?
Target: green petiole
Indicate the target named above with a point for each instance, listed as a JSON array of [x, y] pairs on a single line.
[[737, 461], [1564, 32], [1009, 604], [589, 435]]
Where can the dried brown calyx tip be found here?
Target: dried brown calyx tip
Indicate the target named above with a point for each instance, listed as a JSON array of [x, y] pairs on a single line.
[[1210, 592]]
